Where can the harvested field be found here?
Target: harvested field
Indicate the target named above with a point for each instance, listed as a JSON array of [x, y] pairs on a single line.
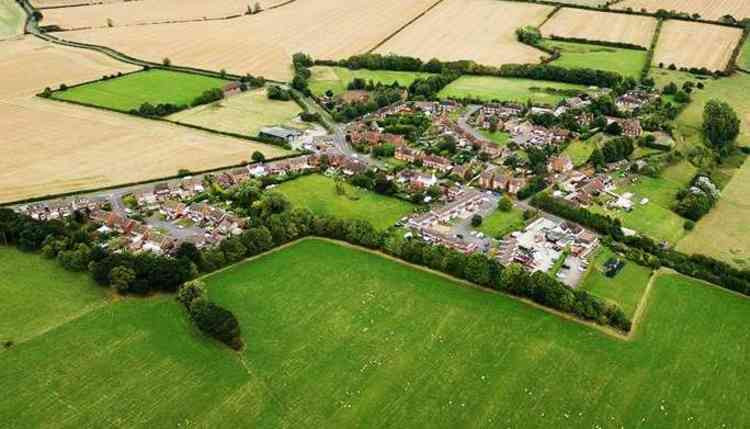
[[691, 44], [601, 26], [12, 19], [479, 30], [242, 114], [41, 4], [707, 9], [264, 44]]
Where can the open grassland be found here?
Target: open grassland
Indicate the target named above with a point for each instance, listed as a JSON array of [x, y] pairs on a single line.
[[653, 220], [478, 30], [707, 9], [264, 44], [659, 190], [489, 88], [501, 223], [691, 44], [627, 62], [625, 289], [244, 114], [318, 193], [38, 295], [337, 78], [601, 26], [362, 334], [152, 86], [12, 19]]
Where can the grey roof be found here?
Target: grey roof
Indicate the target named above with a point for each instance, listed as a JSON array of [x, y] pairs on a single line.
[[280, 132]]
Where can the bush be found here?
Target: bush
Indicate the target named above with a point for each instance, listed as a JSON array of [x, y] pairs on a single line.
[[505, 204], [476, 220], [276, 92], [689, 225], [208, 96], [216, 322], [191, 291]]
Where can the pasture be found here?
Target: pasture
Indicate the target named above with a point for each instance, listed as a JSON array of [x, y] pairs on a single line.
[[365, 334], [12, 19], [244, 114], [627, 62], [478, 30], [625, 289], [259, 44], [318, 193], [707, 9], [336, 79], [490, 88], [691, 44], [500, 223], [601, 26], [154, 86]]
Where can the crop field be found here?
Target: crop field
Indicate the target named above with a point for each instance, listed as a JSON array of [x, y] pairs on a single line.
[[478, 30], [707, 9], [627, 62], [259, 44], [244, 114], [625, 289], [152, 86], [42, 4], [500, 223], [12, 19], [691, 44], [39, 295], [601, 26], [337, 78], [367, 334], [318, 193], [490, 88]]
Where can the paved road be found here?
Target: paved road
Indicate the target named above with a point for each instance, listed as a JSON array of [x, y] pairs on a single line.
[[463, 122]]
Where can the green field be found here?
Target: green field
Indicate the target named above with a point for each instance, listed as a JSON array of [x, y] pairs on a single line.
[[579, 151], [338, 338], [337, 78], [627, 62], [744, 60], [659, 190], [625, 289], [500, 138], [12, 19], [505, 89], [318, 193], [153, 86], [653, 220], [500, 223]]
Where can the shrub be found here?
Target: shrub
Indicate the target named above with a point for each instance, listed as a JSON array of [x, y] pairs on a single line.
[[689, 225], [191, 291], [476, 220]]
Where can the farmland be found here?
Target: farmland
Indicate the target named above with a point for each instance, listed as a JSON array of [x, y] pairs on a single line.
[[130, 91], [601, 26], [506, 89], [626, 288], [323, 29], [318, 193], [707, 9], [627, 62], [478, 30], [336, 79], [713, 52], [367, 334], [12, 19]]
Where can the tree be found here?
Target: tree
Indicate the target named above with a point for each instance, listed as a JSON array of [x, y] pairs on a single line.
[[258, 156], [505, 204], [476, 220], [166, 61], [614, 129], [721, 126], [191, 291], [597, 158], [121, 278], [216, 322]]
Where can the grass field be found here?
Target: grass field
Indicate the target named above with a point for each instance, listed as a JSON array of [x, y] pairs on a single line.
[[361, 335], [579, 151], [624, 289], [153, 86], [744, 59], [500, 138], [658, 190], [655, 221], [601, 26], [711, 45], [12, 19], [627, 62], [244, 114], [500, 223], [318, 193], [337, 78], [505, 89]]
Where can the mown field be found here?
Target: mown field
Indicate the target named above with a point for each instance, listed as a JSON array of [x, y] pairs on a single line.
[[506, 89], [365, 335], [318, 193], [601, 26], [336, 79], [625, 289], [627, 62], [152, 86], [500, 223], [579, 151], [707, 9], [12, 19], [710, 46], [744, 60], [657, 222], [244, 114]]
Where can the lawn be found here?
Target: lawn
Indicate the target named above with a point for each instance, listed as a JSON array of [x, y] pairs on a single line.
[[627, 62], [153, 86], [624, 289], [339, 338], [500, 138], [244, 114], [653, 220], [658, 190], [12, 19], [38, 295], [489, 88], [500, 223], [337, 78], [579, 151], [318, 193]]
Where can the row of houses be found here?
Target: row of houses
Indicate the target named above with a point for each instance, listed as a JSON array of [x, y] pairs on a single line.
[[497, 179], [62, 208]]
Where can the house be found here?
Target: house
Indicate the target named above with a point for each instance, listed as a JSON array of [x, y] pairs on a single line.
[[631, 127], [352, 167], [423, 181], [286, 135], [437, 162], [560, 164]]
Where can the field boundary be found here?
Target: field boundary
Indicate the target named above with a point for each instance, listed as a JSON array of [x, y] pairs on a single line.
[[403, 27]]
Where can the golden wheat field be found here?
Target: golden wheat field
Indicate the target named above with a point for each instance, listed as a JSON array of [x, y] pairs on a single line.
[[263, 44], [601, 26], [145, 12], [479, 30], [53, 147], [690, 44], [707, 9]]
